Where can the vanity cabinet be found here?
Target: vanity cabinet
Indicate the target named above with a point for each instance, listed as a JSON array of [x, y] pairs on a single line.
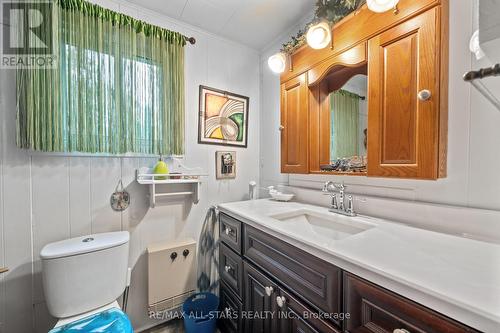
[[284, 289], [403, 131], [294, 126]]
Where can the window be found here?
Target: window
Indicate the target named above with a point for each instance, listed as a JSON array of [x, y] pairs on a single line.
[[118, 87]]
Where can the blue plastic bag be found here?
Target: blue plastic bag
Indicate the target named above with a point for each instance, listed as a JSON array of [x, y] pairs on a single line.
[[109, 321]]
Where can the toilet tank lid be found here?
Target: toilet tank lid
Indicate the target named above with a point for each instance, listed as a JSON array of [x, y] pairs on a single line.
[[84, 244]]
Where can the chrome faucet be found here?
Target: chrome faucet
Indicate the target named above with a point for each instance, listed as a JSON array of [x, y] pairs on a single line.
[[339, 206]]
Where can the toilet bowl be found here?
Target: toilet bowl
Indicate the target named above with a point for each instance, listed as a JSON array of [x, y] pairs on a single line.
[[82, 279]]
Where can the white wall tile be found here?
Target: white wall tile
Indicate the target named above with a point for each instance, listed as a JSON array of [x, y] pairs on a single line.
[[80, 208], [17, 282], [50, 209], [104, 176], [2, 248]]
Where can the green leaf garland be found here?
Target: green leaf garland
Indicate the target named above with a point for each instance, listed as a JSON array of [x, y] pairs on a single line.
[[330, 10]]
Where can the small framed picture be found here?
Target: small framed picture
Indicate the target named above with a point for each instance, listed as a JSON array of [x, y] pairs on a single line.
[[225, 164]]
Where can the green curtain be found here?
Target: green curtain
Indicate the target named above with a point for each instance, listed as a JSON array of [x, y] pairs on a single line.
[[118, 86], [344, 127]]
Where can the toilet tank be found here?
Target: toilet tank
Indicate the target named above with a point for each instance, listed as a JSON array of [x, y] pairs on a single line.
[[84, 273]]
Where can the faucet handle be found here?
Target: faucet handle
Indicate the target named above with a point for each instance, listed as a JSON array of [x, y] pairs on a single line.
[[350, 205], [328, 187], [335, 205]]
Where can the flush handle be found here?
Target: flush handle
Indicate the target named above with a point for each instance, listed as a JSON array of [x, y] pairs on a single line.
[[424, 95]]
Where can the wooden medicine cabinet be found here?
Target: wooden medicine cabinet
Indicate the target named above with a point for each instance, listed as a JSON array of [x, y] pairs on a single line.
[[375, 104]]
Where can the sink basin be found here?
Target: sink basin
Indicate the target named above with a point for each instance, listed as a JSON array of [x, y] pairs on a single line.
[[325, 227]]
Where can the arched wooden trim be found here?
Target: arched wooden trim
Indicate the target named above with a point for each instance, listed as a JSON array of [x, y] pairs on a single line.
[[351, 58]]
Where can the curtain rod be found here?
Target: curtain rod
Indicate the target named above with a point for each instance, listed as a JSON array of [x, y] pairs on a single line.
[[474, 76], [191, 40], [482, 73]]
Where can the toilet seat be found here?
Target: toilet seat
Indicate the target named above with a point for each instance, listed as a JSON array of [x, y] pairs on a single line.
[[107, 319]]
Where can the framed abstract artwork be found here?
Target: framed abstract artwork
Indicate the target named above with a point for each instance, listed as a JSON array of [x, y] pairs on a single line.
[[223, 118]]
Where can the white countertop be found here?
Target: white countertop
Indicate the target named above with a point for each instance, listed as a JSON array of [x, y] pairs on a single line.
[[455, 276]]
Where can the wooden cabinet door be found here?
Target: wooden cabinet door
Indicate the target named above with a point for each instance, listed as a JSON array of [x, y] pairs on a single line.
[[376, 310], [294, 125], [292, 317], [403, 131], [258, 302]]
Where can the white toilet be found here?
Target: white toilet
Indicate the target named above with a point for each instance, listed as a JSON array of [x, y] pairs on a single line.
[[82, 279]]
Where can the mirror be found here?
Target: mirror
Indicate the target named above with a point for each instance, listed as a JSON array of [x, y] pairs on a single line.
[[348, 108]]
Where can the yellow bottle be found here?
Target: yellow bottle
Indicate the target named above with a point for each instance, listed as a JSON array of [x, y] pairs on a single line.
[[161, 168]]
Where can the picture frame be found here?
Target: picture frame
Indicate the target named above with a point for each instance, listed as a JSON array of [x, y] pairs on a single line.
[[223, 118], [225, 164]]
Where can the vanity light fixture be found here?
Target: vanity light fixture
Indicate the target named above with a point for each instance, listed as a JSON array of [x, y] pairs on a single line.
[[277, 62], [380, 6], [319, 35]]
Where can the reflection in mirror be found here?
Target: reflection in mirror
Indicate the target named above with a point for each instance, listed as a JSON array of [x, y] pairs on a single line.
[[348, 125]]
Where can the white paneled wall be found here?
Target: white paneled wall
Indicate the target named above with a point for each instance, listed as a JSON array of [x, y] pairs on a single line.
[[473, 155], [45, 198]]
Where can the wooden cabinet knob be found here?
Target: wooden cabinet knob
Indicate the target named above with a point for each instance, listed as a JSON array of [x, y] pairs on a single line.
[[424, 95]]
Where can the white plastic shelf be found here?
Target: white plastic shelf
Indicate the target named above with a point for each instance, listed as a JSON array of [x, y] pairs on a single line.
[[145, 176]]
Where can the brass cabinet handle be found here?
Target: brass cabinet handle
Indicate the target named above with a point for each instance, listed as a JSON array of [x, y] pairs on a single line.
[[423, 95]]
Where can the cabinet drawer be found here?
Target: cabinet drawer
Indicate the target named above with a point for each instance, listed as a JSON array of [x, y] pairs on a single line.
[[293, 318], [315, 280], [373, 309], [231, 269], [231, 306], [230, 232]]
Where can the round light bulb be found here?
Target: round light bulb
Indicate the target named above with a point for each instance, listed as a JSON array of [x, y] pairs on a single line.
[[380, 6], [277, 62], [319, 35]]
